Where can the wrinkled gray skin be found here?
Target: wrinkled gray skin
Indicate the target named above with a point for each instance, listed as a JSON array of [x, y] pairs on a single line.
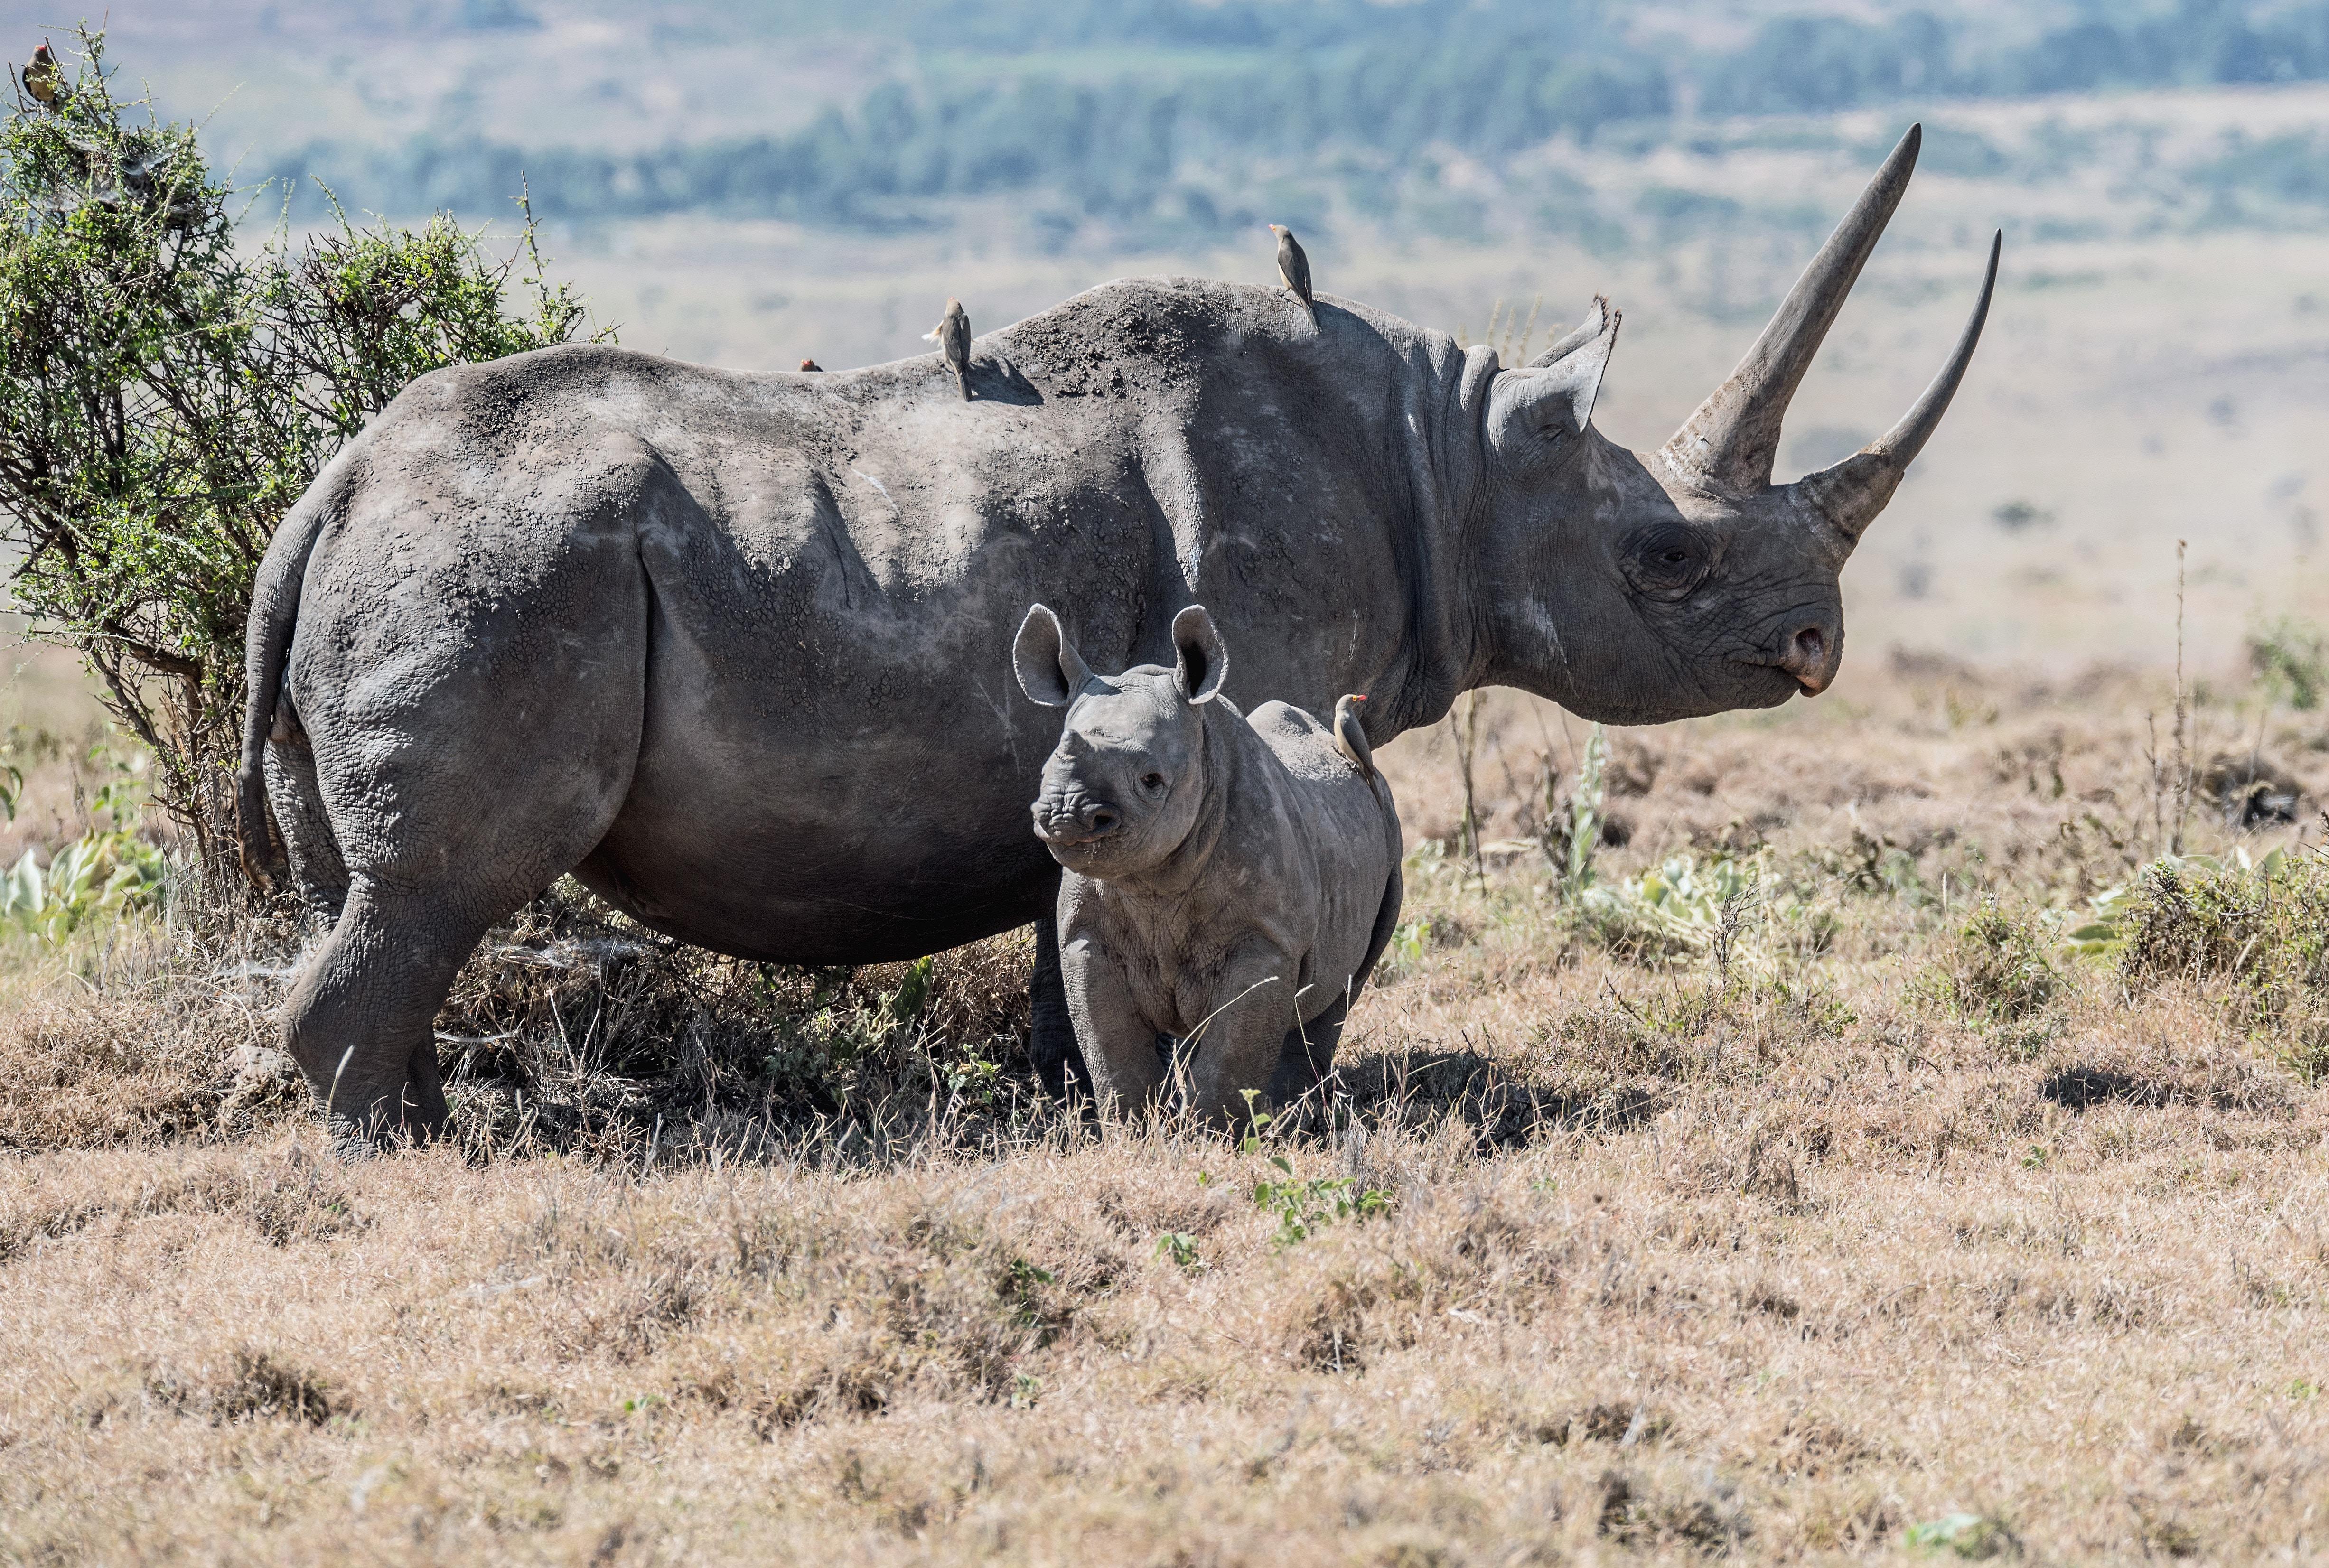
[[731, 647], [1226, 882]]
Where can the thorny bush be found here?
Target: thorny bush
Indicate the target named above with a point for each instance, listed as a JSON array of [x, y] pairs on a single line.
[[166, 395]]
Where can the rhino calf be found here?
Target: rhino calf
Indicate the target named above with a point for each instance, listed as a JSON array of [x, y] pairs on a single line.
[[1228, 881]]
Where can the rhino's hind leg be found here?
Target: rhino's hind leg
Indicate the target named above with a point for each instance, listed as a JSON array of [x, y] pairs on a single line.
[[297, 801], [465, 760], [1052, 1038], [1306, 1056], [360, 1020]]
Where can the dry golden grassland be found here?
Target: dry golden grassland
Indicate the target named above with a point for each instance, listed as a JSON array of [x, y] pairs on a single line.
[[1849, 1214]]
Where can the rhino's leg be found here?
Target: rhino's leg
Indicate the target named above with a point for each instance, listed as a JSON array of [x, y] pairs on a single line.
[[1307, 1054], [1118, 1042], [467, 758], [359, 1021], [1051, 1041], [1243, 1038], [297, 802]]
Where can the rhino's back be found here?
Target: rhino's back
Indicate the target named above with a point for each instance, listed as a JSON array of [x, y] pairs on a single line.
[[833, 763], [1353, 818]]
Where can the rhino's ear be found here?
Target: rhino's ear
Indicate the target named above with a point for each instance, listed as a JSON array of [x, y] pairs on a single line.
[[1200, 662], [1050, 669], [1550, 403]]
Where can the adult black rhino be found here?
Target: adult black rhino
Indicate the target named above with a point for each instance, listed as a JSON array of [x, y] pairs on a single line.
[[735, 649]]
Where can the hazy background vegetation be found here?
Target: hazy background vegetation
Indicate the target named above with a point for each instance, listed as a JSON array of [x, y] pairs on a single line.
[[747, 184]]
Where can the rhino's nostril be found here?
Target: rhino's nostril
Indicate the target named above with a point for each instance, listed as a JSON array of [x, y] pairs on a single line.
[[1806, 658], [1100, 821]]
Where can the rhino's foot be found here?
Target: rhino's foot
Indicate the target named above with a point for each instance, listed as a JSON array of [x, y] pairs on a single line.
[[413, 1117], [359, 1019]]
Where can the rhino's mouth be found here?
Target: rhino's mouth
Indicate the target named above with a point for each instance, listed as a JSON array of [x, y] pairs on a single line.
[[1073, 828], [1778, 690]]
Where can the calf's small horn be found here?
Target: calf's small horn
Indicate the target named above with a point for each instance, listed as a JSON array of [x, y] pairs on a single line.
[[1851, 493], [1730, 442]]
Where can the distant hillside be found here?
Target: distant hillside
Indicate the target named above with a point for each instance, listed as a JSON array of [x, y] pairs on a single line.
[[1117, 124]]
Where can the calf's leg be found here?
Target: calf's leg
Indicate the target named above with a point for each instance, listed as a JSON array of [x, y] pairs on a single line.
[[1118, 1042], [1243, 1038], [1308, 1052]]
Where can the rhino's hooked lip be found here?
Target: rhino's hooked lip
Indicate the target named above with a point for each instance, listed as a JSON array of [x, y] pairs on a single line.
[[1810, 660]]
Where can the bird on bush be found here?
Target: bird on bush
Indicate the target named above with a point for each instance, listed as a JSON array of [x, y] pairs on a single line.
[[808, 364], [952, 335], [1295, 268], [45, 79], [1350, 736]]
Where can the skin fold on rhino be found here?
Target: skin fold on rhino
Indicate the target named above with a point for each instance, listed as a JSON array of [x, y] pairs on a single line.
[[733, 649], [1226, 882]]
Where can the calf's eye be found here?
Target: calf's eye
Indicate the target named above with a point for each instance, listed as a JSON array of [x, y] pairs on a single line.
[[1152, 782]]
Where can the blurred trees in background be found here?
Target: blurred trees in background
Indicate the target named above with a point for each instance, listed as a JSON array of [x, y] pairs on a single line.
[[1174, 120], [166, 395]]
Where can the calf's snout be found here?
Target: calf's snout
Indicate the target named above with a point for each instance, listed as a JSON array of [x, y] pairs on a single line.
[[1075, 819]]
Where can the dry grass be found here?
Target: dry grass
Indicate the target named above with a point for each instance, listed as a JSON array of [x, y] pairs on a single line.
[[1902, 1232]]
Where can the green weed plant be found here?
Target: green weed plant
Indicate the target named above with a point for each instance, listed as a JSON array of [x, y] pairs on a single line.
[[108, 873], [1998, 968], [2259, 934]]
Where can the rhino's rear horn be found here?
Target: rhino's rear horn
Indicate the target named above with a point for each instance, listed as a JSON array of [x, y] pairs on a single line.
[[1730, 442], [1850, 494], [1050, 669]]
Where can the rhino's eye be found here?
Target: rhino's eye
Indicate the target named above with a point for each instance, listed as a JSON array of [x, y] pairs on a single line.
[[1666, 561], [1152, 782]]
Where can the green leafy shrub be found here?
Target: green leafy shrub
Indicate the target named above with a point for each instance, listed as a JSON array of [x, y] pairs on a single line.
[[2262, 931], [1679, 908], [1974, 1536], [1302, 1207], [167, 391], [2291, 659], [1571, 831], [107, 872], [1997, 969]]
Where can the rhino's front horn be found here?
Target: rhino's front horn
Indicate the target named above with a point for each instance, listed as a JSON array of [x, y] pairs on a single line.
[[1850, 494], [1730, 442]]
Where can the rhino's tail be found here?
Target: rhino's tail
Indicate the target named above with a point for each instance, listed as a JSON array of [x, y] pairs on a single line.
[[267, 643]]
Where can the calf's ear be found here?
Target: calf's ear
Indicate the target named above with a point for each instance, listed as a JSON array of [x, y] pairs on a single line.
[[1050, 669], [1200, 662]]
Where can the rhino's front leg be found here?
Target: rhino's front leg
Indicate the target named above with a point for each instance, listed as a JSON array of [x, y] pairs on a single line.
[[1119, 1044], [1244, 1034]]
